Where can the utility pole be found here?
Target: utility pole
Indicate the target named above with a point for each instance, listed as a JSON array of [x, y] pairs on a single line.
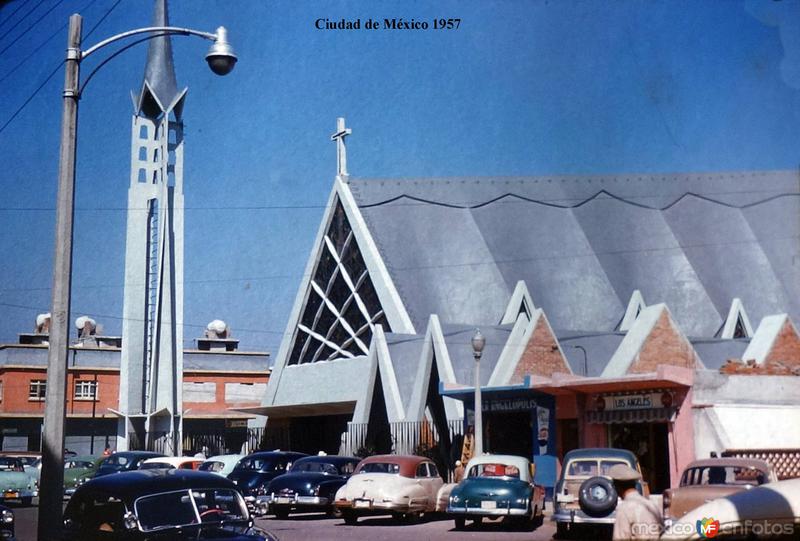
[[51, 489]]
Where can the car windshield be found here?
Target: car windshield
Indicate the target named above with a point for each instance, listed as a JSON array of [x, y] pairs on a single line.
[[156, 465], [724, 475], [494, 470], [589, 467], [69, 464], [116, 461], [212, 466], [28, 460], [380, 467], [8, 463], [315, 467], [261, 465], [186, 507]]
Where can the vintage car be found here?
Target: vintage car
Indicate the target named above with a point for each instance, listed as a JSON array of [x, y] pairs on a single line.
[[401, 485], [770, 511], [124, 461], [221, 464], [712, 478], [253, 473], [6, 523], [159, 505], [15, 484], [309, 486], [171, 463], [497, 486], [78, 470], [584, 495], [31, 461]]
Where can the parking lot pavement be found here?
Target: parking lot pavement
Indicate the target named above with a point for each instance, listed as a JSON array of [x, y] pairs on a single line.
[[312, 527]]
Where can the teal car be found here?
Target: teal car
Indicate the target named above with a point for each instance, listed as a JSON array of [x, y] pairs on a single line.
[[15, 484], [497, 486]]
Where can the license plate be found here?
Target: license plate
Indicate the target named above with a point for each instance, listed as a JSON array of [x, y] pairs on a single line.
[[488, 504], [11, 495], [283, 499], [361, 503]]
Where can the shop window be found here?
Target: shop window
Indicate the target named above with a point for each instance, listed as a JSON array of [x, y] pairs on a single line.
[[37, 390]]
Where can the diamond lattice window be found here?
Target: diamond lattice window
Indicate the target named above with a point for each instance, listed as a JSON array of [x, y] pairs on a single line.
[[342, 305]]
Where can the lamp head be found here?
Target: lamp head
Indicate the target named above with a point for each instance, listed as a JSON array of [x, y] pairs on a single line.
[[478, 342], [221, 58]]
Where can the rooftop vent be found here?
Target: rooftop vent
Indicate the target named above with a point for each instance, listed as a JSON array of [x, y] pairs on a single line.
[[217, 336]]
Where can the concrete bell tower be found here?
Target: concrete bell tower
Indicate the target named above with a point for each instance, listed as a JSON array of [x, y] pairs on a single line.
[[151, 371]]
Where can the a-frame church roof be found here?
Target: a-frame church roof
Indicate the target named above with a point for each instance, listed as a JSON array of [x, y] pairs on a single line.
[[457, 247]]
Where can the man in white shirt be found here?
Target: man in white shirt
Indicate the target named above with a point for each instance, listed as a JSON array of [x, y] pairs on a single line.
[[637, 517]]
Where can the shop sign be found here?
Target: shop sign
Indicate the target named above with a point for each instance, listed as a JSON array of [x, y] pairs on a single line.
[[636, 401], [510, 404], [236, 423]]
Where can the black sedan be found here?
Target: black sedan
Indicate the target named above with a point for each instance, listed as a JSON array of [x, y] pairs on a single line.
[[309, 486], [124, 461], [254, 472], [6, 523], [159, 505]]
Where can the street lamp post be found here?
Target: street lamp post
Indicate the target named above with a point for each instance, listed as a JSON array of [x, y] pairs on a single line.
[[221, 60], [478, 343]]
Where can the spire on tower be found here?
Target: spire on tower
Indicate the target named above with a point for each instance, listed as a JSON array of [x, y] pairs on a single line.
[[159, 91]]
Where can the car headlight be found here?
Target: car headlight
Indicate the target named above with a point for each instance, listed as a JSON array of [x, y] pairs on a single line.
[[7, 516], [130, 521]]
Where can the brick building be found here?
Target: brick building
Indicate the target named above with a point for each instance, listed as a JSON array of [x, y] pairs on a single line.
[[556, 272], [217, 379]]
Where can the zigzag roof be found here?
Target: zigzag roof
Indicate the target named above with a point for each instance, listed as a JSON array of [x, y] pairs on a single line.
[[458, 247]]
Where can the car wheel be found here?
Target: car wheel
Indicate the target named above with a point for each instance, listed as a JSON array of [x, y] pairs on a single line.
[[350, 518], [477, 520], [460, 522], [281, 513], [597, 496], [334, 512]]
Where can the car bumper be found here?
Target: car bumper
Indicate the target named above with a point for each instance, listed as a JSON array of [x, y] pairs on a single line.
[[370, 506], [576, 516], [480, 512], [293, 501], [18, 494]]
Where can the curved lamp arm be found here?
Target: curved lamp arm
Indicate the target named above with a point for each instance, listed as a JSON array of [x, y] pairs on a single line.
[[167, 30]]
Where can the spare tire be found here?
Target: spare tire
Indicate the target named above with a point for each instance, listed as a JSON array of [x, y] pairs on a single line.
[[597, 497]]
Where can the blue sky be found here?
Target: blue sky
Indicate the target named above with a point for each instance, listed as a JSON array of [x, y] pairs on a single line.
[[521, 88]]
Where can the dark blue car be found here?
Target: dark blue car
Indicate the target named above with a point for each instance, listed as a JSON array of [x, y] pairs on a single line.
[[309, 486], [159, 505], [6, 523], [254, 472], [124, 461]]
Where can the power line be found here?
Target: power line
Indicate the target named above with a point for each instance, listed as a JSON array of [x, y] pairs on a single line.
[[39, 88], [34, 23], [103, 18], [21, 5], [23, 17], [30, 98], [42, 44]]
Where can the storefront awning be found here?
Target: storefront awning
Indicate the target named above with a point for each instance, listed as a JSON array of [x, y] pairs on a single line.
[[665, 377], [632, 416]]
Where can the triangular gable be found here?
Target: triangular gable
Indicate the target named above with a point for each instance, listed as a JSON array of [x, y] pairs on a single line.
[[737, 324], [635, 306], [521, 302], [532, 349], [307, 341], [380, 363], [776, 339], [434, 349], [653, 340]]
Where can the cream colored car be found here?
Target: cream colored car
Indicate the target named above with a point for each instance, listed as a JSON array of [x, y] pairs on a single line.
[[403, 486]]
